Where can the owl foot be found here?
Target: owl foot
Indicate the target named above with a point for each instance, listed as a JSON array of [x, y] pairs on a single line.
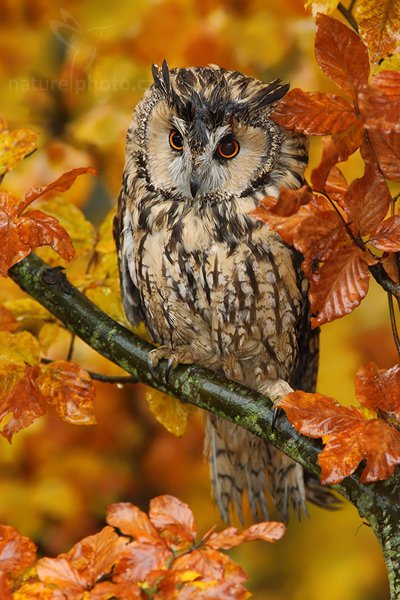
[[276, 390], [183, 355]]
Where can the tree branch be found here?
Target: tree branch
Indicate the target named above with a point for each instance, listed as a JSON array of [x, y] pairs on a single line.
[[211, 391]]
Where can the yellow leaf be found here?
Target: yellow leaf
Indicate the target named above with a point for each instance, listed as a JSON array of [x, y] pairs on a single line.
[[70, 389], [10, 374], [27, 308], [391, 63], [15, 146], [188, 576], [19, 348], [321, 6], [169, 411], [107, 296], [106, 241], [48, 335], [379, 25]]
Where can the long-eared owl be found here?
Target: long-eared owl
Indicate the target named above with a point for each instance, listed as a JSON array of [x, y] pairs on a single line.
[[213, 285]]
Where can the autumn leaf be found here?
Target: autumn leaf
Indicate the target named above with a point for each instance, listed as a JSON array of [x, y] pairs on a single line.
[[387, 235], [269, 531], [314, 113], [340, 285], [15, 146], [130, 520], [169, 411], [341, 55], [21, 347], [7, 320], [321, 6], [367, 200], [17, 552], [70, 389], [379, 24], [290, 201], [387, 149], [347, 435], [175, 519], [379, 389]]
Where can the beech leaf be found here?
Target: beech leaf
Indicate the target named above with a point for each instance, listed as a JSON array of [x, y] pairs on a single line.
[[379, 389], [379, 24]]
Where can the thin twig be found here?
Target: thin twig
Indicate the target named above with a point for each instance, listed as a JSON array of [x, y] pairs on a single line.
[[393, 323], [346, 12], [71, 347], [121, 379]]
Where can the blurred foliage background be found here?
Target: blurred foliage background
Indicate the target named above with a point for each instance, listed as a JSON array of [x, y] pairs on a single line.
[[73, 71]]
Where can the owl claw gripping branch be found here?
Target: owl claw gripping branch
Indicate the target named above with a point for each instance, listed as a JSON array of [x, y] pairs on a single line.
[[212, 284]]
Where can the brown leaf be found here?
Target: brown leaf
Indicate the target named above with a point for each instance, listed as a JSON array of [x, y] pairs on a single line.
[[387, 150], [387, 236], [380, 102], [367, 200], [340, 285], [269, 531], [131, 521], [341, 54], [62, 184], [174, 520], [140, 559], [379, 389], [349, 438], [70, 389], [23, 402], [314, 113], [289, 201], [336, 186], [7, 320], [379, 24], [391, 266]]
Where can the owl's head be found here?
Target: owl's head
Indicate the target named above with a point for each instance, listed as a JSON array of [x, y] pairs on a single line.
[[206, 132]]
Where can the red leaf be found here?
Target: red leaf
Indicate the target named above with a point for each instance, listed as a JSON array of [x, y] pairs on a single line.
[[387, 236], [70, 389], [174, 520], [131, 521], [349, 438], [379, 389], [62, 184], [314, 113], [341, 54], [367, 200], [340, 285]]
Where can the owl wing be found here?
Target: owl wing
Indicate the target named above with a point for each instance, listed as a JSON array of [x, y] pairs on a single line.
[[123, 235]]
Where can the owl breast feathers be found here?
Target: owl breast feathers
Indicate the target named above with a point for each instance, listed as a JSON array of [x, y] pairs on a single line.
[[212, 284]]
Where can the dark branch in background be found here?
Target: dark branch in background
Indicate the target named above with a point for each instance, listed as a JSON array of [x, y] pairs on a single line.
[[210, 391], [348, 15]]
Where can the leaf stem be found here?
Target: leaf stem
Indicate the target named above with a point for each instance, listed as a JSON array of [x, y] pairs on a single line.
[[347, 13], [393, 323]]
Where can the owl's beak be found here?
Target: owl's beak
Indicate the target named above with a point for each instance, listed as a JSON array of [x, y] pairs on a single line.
[[195, 184]]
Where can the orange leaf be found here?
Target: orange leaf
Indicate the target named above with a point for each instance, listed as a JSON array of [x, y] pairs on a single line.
[[387, 236], [62, 184], [38, 229], [212, 566], [23, 402], [289, 201], [7, 320], [367, 200], [17, 552], [86, 563], [314, 113], [340, 285], [174, 520], [341, 54], [269, 531], [131, 521], [70, 389], [140, 559], [379, 389], [349, 438], [336, 186]]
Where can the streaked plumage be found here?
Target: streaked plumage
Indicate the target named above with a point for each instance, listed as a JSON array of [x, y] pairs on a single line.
[[212, 284]]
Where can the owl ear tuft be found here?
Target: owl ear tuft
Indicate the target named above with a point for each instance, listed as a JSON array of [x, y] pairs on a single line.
[[162, 80], [273, 92]]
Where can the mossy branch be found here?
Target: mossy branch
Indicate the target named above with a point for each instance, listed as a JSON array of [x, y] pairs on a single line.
[[377, 503]]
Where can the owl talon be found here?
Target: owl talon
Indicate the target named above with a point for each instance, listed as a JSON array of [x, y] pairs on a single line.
[[171, 364], [275, 416]]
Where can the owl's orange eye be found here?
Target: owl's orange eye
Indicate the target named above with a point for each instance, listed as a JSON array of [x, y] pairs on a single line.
[[228, 149], [175, 140]]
